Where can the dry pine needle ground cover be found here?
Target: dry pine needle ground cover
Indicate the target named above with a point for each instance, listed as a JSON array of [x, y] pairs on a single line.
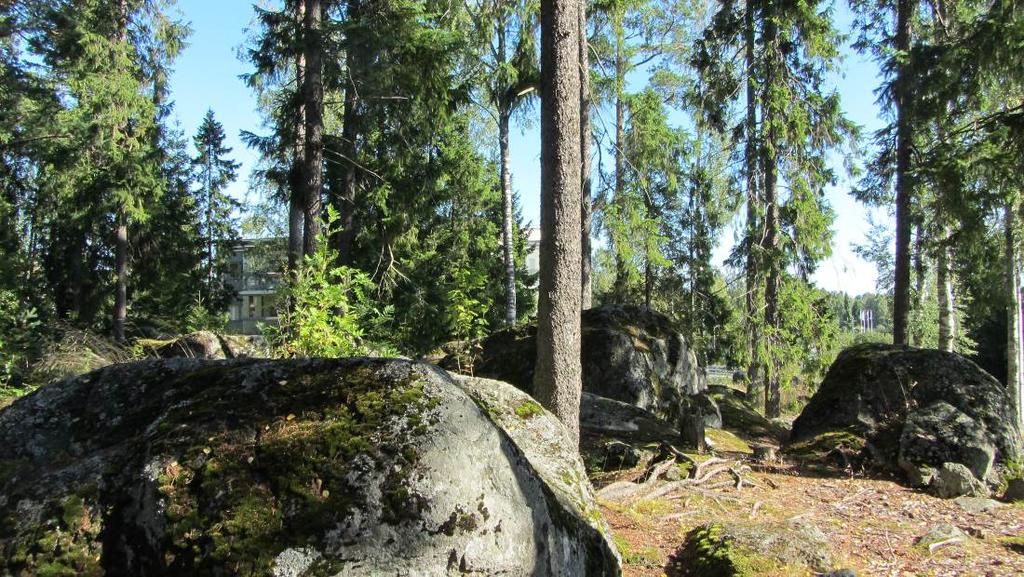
[[872, 524]]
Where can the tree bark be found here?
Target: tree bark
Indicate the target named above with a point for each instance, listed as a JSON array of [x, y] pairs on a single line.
[[557, 380], [1014, 383], [121, 270], [587, 215], [313, 97], [947, 308], [904, 187], [507, 215], [296, 197], [754, 388], [773, 393]]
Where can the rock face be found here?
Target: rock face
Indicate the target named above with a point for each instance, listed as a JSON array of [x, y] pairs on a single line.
[[629, 354], [298, 468], [914, 409], [940, 433]]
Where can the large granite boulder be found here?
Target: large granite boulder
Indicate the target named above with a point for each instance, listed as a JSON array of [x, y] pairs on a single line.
[[914, 409], [297, 468], [629, 354]]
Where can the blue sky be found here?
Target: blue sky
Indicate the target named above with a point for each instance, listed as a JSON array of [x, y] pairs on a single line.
[[207, 76]]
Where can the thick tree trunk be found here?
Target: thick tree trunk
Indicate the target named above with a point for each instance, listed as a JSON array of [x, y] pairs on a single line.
[[296, 197], [313, 97], [1014, 383], [587, 216], [904, 187], [507, 215], [773, 392], [557, 379], [947, 308], [121, 270], [754, 388]]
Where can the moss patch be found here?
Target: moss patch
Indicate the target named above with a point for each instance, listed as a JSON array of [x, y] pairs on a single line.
[[708, 552], [528, 409], [817, 448], [726, 441]]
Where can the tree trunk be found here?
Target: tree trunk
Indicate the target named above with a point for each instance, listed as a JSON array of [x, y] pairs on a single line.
[[773, 398], [345, 203], [1014, 383], [947, 308], [121, 270], [754, 388], [313, 97], [904, 187], [121, 233], [557, 379], [209, 222], [587, 215], [296, 197], [920, 285], [507, 216], [620, 140]]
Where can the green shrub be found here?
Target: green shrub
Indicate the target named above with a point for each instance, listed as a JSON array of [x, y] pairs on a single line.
[[200, 318], [328, 310], [20, 340]]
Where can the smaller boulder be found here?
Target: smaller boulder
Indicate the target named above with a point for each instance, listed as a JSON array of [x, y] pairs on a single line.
[[1014, 490], [956, 480], [941, 533], [748, 550], [198, 345], [619, 455], [977, 505]]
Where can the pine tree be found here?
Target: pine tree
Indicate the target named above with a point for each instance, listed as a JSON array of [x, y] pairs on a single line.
[[558, 371]]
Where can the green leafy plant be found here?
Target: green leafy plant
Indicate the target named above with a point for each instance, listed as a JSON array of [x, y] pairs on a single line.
[[19, 340], [200, 318], [465, 311], [328, 310]]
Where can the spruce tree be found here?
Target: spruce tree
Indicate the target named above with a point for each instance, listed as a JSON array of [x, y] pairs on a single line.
[[214, 172]]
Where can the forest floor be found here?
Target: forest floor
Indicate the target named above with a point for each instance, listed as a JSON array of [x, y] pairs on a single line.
[[872, 524]]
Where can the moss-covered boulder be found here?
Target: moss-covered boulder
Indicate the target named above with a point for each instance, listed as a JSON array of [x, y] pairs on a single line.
[[751, 550], [872, 392], [629, 354], [299, 468]]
